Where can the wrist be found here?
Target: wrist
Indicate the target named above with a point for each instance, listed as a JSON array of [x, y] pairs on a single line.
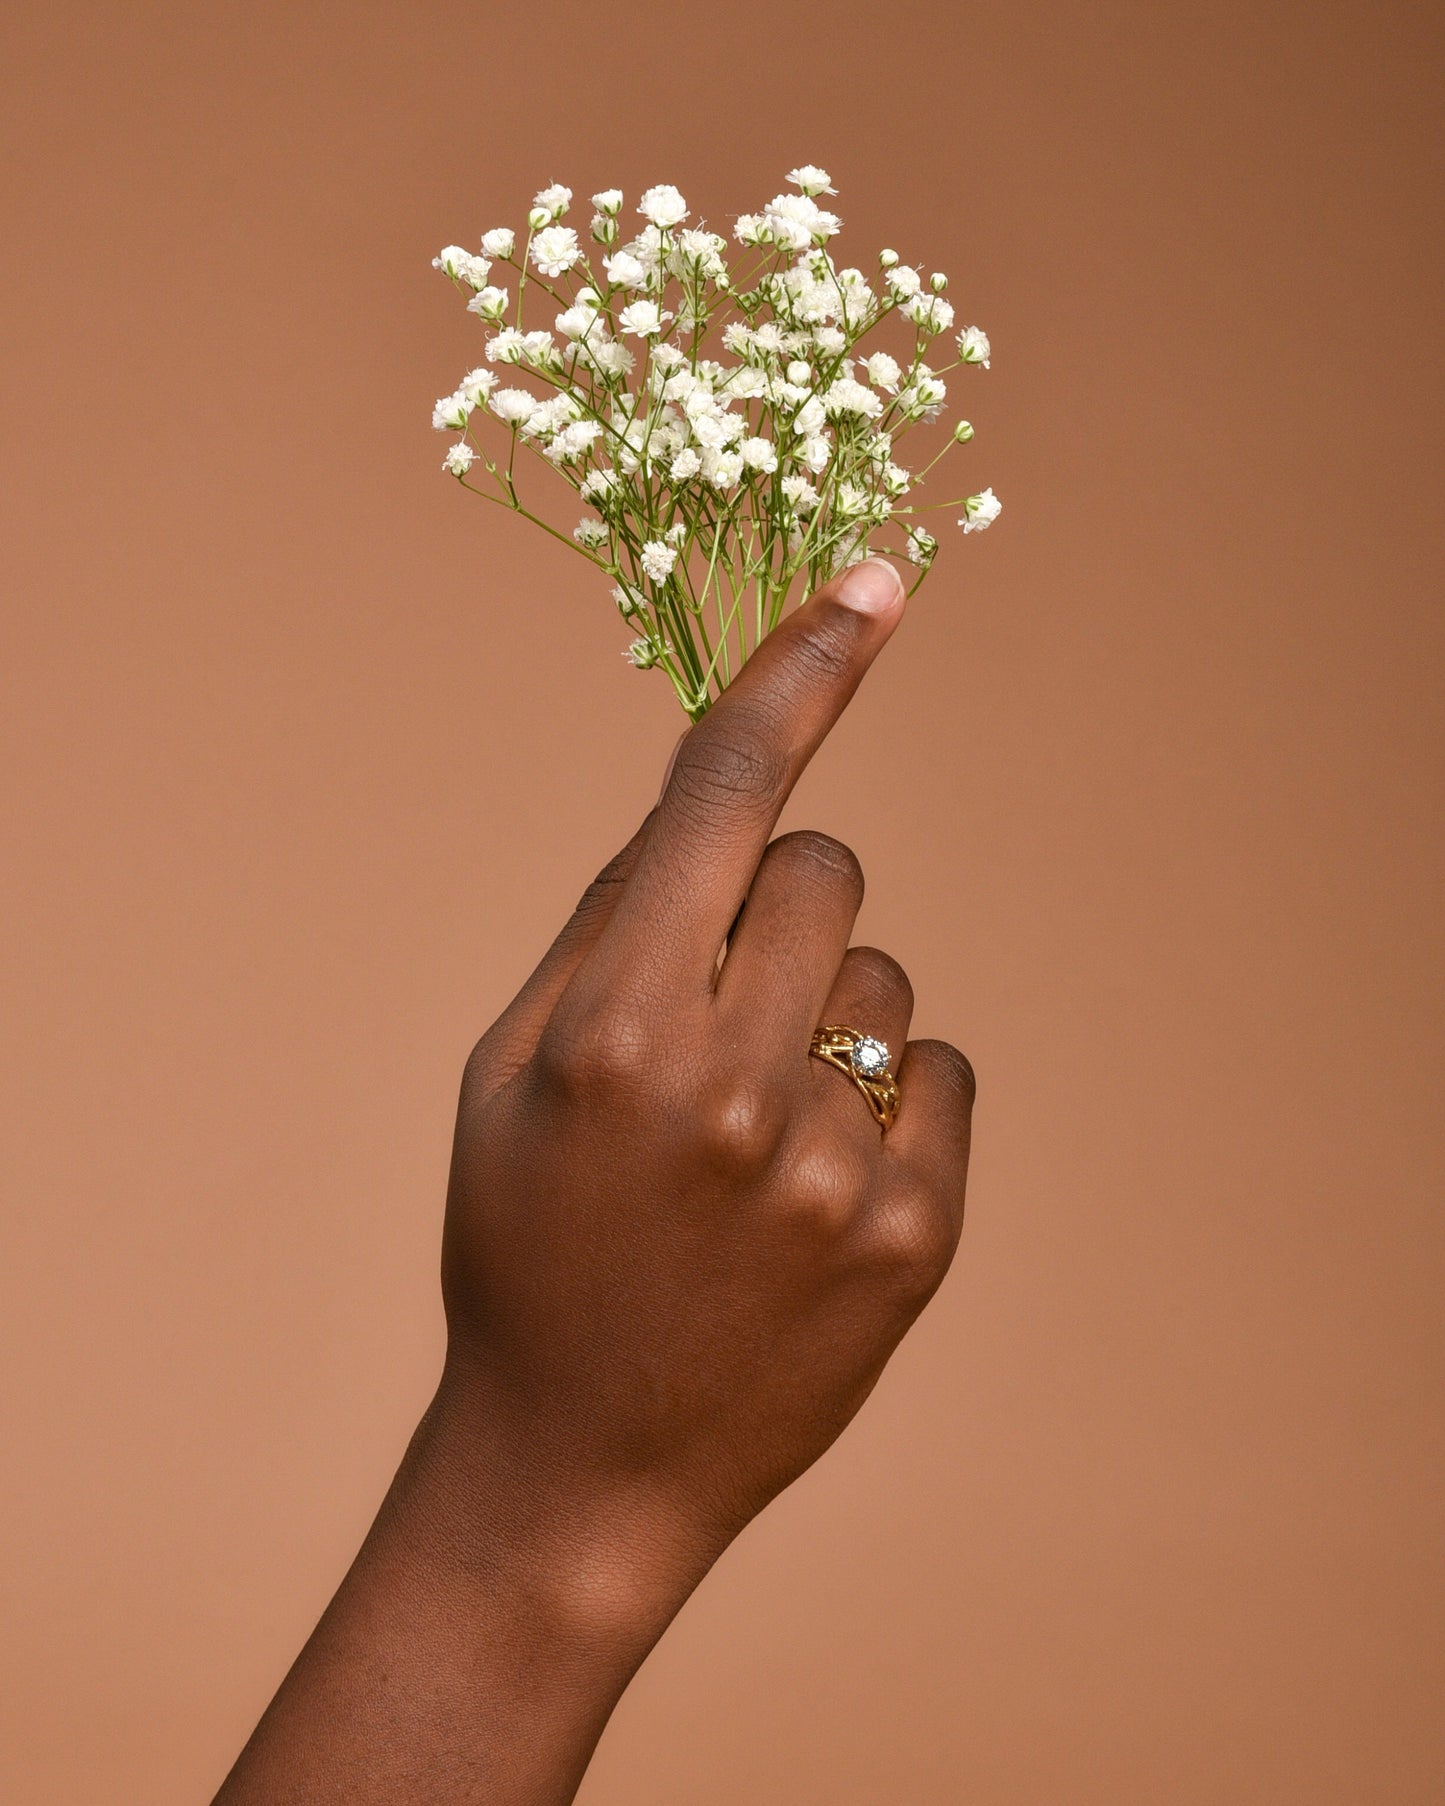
[[597, 1564], [488, 1626]]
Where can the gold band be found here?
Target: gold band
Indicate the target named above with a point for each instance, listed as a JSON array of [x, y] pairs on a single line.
[[865, 1060]]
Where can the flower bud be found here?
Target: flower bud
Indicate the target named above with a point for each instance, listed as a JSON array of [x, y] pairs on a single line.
[[604, 229], [609, 201], [887, 259], [798, 372], [963, 432], [539, 217], [938, 282]]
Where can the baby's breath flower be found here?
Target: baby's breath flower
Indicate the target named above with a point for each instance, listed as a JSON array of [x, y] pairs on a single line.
[[797, 221], [845, 396], [756, 452], [657, 559], [574, 441], [722, 469], [625, 269], [980, 511], [816, 453], [554, 200], [555, 250], [611, 359], [973, 346], [451, 413], [577, 321], [539, 350], [744, 384], [490, 303], [508, 347], [664, 206], [810, 417], [811, 179], [476, 386], [512, 405], [599, 487], [930, 313], [462, 266], [924, 396], [903, 280], [645, 319]]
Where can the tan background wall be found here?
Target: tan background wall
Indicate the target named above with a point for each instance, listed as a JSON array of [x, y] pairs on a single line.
[[304, 759]]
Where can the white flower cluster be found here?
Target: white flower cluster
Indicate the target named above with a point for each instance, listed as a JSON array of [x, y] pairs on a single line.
[[733, 442]]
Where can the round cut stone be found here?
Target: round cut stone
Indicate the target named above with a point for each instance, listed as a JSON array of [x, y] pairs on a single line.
[[869, 1058]]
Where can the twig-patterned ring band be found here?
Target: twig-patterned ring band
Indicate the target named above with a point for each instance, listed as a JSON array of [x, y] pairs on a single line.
[[865, 1060]]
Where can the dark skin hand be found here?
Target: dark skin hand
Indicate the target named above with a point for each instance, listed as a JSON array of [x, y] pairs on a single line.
[[678, 1253]]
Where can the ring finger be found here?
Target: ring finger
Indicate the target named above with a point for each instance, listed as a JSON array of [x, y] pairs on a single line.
[[871, 994]]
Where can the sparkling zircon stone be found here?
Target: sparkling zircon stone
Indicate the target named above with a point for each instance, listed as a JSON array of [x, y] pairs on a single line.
[[869, 1057]]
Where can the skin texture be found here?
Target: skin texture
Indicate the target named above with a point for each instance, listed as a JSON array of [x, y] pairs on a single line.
[[678, 1252]]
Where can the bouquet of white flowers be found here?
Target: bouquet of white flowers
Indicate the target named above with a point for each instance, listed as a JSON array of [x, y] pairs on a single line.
[[716, 491]]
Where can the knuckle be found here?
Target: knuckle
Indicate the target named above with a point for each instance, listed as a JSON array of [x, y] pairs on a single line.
[[477, 1069], [824, 1189], [601, 893], [739, 1126], [953, 1070], [820, 860], [913, 1240], [880, 975], [827, 653], [726, 766], [593, 1050]]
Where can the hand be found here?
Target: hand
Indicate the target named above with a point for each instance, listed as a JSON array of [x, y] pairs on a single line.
[[679, 1250]]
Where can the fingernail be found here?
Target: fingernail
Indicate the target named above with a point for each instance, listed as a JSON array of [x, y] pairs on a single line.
[[671, 761], [872, 587]]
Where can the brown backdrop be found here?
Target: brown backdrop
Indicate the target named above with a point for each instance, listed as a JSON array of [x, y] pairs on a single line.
[[305, 757]]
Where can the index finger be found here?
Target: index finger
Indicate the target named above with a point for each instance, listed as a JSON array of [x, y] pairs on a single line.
[[734, 771]]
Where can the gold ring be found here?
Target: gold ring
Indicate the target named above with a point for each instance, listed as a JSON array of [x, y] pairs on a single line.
[[865, 1060]]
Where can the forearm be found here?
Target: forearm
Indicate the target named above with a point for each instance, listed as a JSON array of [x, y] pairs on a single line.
[[479, 1642]]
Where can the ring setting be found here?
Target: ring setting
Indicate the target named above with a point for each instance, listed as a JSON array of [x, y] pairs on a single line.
[[865, 1060]]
